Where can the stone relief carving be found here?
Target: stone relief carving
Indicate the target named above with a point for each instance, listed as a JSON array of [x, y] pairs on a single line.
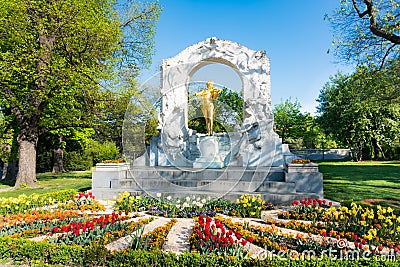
[[253, 67]]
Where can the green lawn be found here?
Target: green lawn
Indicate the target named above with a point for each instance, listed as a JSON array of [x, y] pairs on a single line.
[[361, 180], [342, 181], [50, 182]]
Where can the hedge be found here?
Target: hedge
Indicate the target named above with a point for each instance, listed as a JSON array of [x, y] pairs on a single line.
[[23, 251]]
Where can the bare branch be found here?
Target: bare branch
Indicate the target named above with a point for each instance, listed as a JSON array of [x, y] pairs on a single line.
[[361, 15]]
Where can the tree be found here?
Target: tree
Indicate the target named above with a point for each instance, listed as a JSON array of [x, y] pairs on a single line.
[[357, 118], [8, 145], [290, 124], [54, 55], [367, 31]]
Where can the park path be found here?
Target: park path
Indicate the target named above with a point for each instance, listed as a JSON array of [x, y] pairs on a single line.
[[178, 236], [125, 242]]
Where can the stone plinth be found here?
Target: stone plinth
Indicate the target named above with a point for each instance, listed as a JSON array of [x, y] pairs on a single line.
[[306, 177], [209, 154], [301, 167], [105, 172], [273, 184]]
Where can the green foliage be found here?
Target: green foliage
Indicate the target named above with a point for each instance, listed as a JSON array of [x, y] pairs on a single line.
[[21, 250], [101, 151], [94, 152], [59, 52], [143, 258], [77, 161], [233, 100], [44, 161], [366, 31], [353, 109], [294, 127]]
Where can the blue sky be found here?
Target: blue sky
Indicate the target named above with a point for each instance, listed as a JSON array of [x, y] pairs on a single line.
[[292, 32]]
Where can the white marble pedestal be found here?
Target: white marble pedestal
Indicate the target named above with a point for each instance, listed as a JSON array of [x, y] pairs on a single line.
[[209, 157]]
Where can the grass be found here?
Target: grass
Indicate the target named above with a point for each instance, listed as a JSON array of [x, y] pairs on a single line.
[[361, 180], [342, 181], [50, 182]]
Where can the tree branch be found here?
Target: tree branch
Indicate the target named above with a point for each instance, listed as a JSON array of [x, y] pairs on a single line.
[[373, 22], [385, 56], [361, 15]]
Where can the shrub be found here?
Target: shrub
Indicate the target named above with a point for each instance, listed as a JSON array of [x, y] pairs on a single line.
[[78, 161], [102, 151], [43, 161]]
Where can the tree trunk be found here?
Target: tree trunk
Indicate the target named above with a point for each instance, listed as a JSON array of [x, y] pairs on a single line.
[[58, 161], [9, 171], [27, 164], [377, 149]]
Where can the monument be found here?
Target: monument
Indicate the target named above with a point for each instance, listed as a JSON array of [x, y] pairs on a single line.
[[181, 161]]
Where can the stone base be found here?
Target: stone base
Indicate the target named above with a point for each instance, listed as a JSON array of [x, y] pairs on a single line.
[[208, 163], [274, 184]]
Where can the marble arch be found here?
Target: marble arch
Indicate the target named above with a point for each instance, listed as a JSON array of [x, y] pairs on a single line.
[[253, 67]]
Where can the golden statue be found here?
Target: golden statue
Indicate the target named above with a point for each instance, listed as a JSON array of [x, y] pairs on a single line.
[[207, 105]]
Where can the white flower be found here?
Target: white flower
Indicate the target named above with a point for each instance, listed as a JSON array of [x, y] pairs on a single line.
[[178, 201], [203, 201], [169, 197], [187, 199], [158, 194], [198, 199], [199, 205], [185, 205], [178, 206]]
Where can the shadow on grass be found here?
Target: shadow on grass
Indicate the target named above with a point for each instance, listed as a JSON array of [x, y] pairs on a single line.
[[83, 189], [8, 183]]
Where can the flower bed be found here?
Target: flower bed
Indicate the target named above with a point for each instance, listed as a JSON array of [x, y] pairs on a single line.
[[22, 203], [84, 232], [362, 225], [35, 222], [192, 206], [73, 237], [82, 201], [153, 240], [212, 236]]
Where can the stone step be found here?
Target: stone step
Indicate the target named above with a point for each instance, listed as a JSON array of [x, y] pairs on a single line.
[[229, 173], [206, 185]]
